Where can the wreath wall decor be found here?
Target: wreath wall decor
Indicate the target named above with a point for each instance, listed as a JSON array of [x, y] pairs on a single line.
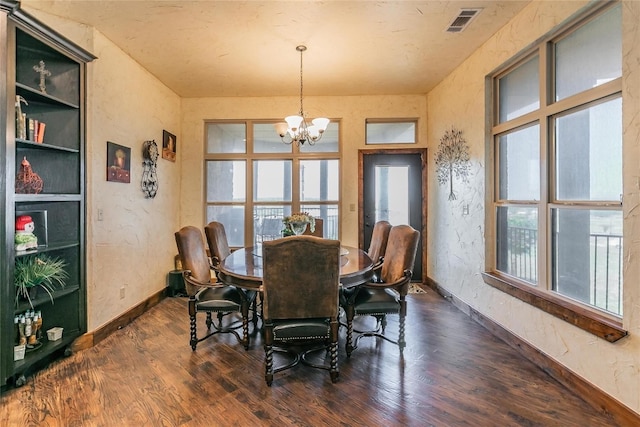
[[452, 158]]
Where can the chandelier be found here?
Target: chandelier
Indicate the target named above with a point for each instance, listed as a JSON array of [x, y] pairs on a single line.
[[295, 128]]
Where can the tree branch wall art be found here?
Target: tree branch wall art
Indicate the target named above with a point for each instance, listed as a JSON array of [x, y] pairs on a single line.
[[452, 158]]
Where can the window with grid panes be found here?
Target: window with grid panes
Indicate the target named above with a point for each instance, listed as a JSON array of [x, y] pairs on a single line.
[[253, 180], [557, 150]]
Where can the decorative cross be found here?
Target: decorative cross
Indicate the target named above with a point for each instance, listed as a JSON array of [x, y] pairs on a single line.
[[43, 73]]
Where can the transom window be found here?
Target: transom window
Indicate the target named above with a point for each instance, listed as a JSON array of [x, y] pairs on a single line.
[[557, 149], [253, 180]]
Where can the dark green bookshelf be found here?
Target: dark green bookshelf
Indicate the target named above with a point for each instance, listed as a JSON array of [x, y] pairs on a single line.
[[59, 160]]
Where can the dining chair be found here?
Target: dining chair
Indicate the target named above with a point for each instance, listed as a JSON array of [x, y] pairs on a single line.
[[378, 245], [318, 230], [205, 294], [387, 296], [219, 249], [301, 276]]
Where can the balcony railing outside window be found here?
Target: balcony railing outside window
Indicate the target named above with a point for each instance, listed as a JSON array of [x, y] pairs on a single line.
[[605, 288]]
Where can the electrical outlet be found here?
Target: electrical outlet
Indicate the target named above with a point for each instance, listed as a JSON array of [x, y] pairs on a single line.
[[465, 210], [122, 292], [100, 215]]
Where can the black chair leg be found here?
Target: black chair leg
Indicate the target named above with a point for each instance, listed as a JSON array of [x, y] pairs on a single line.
[[209, 320], [193, 337], [268, 370], [350, 314], [245, 325], [403, 314]]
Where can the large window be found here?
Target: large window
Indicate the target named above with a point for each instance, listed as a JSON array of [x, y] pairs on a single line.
[[253, 180], [557, 150]]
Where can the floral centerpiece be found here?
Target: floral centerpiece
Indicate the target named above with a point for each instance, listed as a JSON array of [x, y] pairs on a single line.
[[297, 222]]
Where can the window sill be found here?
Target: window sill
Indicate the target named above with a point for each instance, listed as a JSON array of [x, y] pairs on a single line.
[[575, 314]]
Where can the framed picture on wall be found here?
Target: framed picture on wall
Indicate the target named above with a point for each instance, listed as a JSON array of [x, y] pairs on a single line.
[[118, 163], [169, 144]]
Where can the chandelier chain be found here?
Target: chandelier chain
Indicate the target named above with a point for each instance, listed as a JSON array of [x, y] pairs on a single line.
[[301, 49], [295, 128]]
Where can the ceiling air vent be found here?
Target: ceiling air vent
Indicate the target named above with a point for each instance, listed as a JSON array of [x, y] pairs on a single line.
[[463, 19]]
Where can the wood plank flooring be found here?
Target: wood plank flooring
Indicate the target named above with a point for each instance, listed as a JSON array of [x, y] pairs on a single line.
[[453, 373]]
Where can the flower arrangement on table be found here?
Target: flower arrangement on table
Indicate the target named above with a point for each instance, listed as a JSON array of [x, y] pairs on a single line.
[[295, 220]]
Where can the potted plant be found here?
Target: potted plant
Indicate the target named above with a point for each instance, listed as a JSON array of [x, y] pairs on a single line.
[[35, 272]]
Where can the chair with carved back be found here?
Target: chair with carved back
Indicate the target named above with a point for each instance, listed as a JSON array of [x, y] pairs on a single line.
[[318, 229], [205, 294], [301, 278], [219, 249], [378, 245], [387, 296]]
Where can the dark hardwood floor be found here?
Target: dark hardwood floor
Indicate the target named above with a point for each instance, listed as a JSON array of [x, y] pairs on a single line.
[[453, 373]]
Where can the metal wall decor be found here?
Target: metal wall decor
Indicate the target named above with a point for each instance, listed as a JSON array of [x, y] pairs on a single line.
[[452, 158], [149, 175]]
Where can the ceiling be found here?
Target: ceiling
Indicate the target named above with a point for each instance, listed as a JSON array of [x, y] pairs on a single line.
[[210, 48]]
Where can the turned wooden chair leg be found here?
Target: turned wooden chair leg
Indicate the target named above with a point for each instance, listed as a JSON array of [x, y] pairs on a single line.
[[193, 337], [403, 314]]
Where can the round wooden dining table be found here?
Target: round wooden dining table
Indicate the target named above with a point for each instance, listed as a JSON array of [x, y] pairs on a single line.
[[243, 268]]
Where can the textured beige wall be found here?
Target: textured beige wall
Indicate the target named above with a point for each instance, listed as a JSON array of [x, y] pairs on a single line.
[[133, 246], [457, 243], [351, 111]]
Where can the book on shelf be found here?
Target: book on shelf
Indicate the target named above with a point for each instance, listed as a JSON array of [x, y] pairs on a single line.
[[31, 129], [36, 130], [40, 138]]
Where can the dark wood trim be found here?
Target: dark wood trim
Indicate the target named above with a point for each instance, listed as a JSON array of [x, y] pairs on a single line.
[[588, 392], [94, 337], [45, 32], [561, 308], [423, 232]]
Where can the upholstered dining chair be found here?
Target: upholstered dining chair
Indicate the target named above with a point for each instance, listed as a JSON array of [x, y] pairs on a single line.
[[378, 245], [217, 242], [219, 249], [388, 295], [301, 276], [318, 230], [205, 295]]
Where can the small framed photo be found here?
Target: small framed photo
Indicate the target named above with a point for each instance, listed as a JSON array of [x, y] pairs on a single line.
[[118, 163], [169, 143]]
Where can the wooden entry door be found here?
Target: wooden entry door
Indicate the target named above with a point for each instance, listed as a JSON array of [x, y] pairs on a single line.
[[393, 187]]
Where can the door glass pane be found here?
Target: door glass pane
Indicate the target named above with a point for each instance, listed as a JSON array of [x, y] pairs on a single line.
[[519, 157], [319, 180], [587, 256], [519, 91], [595, 49], [329, 214], [391, 133], [226, 180], [589, 153], [232, 217], [266, 140], [390, 204], [226, 138], [272, 180], [517, 242]]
